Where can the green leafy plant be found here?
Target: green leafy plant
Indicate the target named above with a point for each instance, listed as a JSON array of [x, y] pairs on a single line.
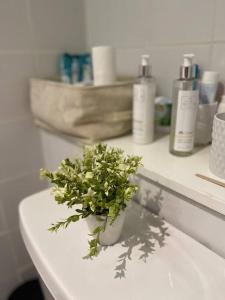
[[98, 184]]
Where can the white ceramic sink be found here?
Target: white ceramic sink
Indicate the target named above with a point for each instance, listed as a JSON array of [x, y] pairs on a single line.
[[153, 261]]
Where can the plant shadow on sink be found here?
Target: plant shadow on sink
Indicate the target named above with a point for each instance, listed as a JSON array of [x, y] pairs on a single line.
[[142, 230]]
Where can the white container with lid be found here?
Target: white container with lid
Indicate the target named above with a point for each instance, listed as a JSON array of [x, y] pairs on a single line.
[[217, 151], [204, 123], [208, 87]]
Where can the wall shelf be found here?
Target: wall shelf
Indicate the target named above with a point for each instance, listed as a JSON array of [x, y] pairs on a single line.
[[177, 173]]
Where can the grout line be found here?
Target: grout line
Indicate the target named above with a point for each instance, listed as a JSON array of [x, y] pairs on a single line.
[[30, 23], [29, 17], [4, 220], [214, 23], [13, 178], [156, 45], [153, 45], [84, 28], [30, 52], [211, 48], [13, 250], [194, 44], [24, 117], [4, 232]]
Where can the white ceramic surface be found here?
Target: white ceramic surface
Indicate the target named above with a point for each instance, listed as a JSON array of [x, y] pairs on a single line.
[[217, 153], [112, 232], [176, 173], [152, 261]]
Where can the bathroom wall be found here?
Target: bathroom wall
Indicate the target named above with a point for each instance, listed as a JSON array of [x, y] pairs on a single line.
[[33, 33], [164, 29]]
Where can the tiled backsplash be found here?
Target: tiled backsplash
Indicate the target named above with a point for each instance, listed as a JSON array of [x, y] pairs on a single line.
[[164, 29], [33, 33]]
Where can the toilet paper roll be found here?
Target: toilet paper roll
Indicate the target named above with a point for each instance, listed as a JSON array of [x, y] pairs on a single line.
[[104, 65]]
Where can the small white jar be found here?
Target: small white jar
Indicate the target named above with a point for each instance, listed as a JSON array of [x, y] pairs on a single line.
[[217, 153], [204, 123]]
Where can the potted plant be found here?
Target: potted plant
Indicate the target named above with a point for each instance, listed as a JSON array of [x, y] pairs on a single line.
[[99, 189]]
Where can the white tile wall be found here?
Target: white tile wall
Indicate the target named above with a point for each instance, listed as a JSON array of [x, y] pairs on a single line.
[[20, 150], [218, 60], [16, 66], [219, 32], [118, 23], [13, 190], [47, 64], [14, 30], [165, 62], [7, 259], [57, 24], [180, 21], [164, 29], [21, 255], [56, 148], [33, 34], [14, 101], [132, 23], [3, 226]]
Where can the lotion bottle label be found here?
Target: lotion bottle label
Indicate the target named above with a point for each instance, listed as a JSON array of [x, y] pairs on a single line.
[[187, 108]]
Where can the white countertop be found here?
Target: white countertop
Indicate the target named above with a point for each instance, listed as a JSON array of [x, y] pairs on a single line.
[[177, 173], [153, 260]]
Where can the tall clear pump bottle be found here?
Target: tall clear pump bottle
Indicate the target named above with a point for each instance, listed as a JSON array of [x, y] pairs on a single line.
[[184, 111], [143, 104]]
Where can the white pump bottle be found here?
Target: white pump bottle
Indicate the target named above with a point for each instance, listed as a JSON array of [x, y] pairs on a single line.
[[184, 110], [143, 104]]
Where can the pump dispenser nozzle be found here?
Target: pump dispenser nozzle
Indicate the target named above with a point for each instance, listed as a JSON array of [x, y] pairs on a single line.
[[145, 68], [186, 71], [145, 60], [188, 59]]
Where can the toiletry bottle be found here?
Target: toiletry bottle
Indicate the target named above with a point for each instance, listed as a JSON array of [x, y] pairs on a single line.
[[163, 107], [184, 110], [221, 107], [143, 104], [208, 87]]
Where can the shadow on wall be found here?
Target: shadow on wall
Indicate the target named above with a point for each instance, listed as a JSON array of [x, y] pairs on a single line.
[[142, 230], [149, 195]]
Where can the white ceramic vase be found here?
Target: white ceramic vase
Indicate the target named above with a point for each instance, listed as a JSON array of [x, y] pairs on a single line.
[[204, 123], [112, 232], [217, 153]]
